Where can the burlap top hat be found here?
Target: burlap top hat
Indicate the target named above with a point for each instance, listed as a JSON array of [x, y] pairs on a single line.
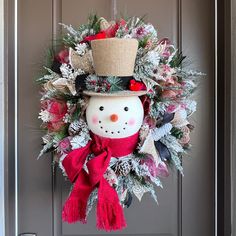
[[115, 57]]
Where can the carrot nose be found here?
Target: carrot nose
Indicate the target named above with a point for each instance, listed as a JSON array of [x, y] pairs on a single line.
[[114, 117]]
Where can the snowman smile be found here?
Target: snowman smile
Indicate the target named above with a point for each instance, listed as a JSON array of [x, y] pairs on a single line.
[[112, 132]]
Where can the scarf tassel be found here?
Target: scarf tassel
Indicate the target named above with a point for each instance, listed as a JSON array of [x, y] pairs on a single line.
[[74, 210], [110, 216]]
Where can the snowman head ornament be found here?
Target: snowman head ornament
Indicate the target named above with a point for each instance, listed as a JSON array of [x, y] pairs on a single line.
[[117, 113], [114, 117]]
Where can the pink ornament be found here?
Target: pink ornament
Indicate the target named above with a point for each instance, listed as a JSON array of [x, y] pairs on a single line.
[[149, 162], [172, 108], [156, 171], [64, 146], [162, 170], [186, 135]]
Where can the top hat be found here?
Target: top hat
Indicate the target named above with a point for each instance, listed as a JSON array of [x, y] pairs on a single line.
[[115, 57]]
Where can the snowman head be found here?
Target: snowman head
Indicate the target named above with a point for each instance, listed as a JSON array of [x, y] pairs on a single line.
[[114, 117]]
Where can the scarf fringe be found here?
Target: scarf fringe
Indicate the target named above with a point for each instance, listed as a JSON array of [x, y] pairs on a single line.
[[110, 216], [74, 210]]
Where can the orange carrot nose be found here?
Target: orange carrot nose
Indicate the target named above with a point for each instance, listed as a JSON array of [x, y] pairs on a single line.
[[114, 117]]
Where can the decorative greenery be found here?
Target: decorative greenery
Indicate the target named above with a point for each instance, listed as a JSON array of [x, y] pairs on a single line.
[[158, 65], [176, 132], [99, 84]]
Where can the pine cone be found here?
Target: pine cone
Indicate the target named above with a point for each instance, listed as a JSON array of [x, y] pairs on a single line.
[[123, 167], [74, 128]]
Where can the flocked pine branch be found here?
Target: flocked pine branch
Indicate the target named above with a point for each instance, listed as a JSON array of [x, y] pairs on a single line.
[[175, 149], [49, 76]]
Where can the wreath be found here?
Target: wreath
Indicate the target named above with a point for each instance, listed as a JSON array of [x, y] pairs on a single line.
[[115, 105]]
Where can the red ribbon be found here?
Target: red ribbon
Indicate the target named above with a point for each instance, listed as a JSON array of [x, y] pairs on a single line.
[[110, 214], [100, 35]]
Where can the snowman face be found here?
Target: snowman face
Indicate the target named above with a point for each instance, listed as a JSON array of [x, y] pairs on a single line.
[[114, 117]]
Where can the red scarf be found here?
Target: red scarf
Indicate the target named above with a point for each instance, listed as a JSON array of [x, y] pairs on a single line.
[[110, 214]]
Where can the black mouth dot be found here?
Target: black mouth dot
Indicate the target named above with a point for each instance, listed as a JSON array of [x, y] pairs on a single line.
[[118, 132], [126, 123], [101, 127], [124, 128], [106, 131], [100, 122], [112, 132]]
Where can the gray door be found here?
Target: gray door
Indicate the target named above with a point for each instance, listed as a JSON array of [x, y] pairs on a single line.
[[186, 205]]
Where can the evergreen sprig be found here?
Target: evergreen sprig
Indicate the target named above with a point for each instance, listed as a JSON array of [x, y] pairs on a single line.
[[94, 23], [176, 132], [101, 84], [177, 60]]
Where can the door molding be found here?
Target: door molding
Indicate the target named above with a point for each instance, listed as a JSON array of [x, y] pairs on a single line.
[[226, 123], [8, 224], [233, 130], [2, 119]]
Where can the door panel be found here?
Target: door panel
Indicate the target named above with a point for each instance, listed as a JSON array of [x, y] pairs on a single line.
[[145, 218], [163, 14], [34, 177], [76, 12], [142, 219], [198, 183], [185, 204]]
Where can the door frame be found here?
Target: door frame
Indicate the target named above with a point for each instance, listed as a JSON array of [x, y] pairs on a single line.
[[2, 120], [233, 118], [225, 127], [226, 118], [8, 117]]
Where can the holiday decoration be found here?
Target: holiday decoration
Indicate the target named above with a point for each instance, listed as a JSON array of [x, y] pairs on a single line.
[[116, 103]]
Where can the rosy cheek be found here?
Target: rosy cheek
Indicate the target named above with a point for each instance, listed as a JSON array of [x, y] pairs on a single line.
[[131, 121], [95, 119]]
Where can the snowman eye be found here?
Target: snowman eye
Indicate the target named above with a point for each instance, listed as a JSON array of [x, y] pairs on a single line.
[[126, 108], [101, 108]]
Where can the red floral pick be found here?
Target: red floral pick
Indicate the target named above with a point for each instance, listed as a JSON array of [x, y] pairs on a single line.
[[136, 85], [111, 30], [57, 110], [100, 35], [63, 56]]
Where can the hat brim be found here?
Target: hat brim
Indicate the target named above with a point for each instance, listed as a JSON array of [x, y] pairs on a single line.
[[125, 93]]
